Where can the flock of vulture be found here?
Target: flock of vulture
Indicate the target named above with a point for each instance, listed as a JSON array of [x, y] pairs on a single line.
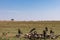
[[33, 35]]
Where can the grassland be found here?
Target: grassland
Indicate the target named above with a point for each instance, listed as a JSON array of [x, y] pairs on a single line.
[[11, 28]]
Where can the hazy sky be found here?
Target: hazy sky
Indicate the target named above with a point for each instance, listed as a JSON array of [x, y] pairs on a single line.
[[30, 9]]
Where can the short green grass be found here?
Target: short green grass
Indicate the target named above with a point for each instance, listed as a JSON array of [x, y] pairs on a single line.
[[11, 28]]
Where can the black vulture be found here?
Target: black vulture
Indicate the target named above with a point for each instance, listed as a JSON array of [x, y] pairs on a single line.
[[32, 30]]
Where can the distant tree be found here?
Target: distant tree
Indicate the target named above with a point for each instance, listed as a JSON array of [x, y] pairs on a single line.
[[12, 19]]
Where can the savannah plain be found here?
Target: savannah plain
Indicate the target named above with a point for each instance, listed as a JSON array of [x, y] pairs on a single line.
[[11, 27]]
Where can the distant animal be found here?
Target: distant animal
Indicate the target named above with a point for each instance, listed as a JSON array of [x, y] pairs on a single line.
[[17, 36], [32, 30], [19, 33], [46, 28], [34, 35]]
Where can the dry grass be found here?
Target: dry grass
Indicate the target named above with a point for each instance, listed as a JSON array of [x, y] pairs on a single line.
[[12, 26]]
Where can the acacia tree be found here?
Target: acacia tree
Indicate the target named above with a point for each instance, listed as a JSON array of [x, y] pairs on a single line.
[[12, 19]]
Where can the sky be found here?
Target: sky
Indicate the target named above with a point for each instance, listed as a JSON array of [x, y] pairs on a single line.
[[30, 10]]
